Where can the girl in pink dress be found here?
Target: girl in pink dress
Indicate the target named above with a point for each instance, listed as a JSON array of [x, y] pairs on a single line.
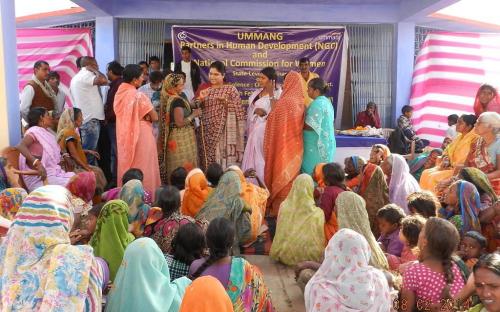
[[434, 281], [259, 106]]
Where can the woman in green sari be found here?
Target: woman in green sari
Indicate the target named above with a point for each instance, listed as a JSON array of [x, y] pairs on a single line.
[[176, 140], [111, 236], [319, 134], [225, 201]]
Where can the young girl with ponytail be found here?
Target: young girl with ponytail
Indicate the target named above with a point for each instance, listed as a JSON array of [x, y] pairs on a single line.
[[436, 279], [243, 282]]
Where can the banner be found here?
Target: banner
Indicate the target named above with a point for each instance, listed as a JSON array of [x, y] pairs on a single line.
[[60, 47], [448, 72], [247, 50]]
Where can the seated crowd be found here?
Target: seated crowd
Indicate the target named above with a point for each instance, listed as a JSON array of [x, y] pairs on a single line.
[[416, 231]]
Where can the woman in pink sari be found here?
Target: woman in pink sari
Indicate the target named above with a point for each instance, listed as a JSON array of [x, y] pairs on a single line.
[[40, 152], [136, 143], [259, 106]]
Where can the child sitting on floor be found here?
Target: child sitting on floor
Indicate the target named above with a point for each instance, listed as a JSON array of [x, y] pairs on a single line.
[[473, 246], [131, 174], [410, 230], [423, 203], [436, 278], [389, 220]]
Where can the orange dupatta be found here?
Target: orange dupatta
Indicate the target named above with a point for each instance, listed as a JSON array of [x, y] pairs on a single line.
[[196, 193], [283, 141], [255, 197], [206, 294]]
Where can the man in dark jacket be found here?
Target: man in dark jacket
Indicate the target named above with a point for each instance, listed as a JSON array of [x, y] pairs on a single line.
[[192, 71]]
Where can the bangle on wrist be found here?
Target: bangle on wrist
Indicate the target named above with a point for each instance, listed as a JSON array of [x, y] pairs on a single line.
[[35, 162]]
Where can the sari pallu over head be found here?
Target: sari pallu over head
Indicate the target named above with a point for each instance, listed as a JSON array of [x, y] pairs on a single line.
[[111, 235], [132, 193], [41, 270], [469, 203], [246, 288], [11, 200], [345, 282], [206, 294], [300, 226], [143, 281], [66, 129], [283, 141], [492, 106], [402, 183], [351, 214], [196, 192], [225, 201], [255, 197]]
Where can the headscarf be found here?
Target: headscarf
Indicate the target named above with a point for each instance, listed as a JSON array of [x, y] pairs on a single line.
[[143, 281], [195, 192], [225, 201], [11, 200], [4, 179], [469, 202], [132, 193], [345, 282], [255, 197], [318, 176], [41, 270], [66, 123], [82, 186], [480, 179], [358, 163], [385, 149], [417, 163], [494, 102], [111, 235], [171, 81], [300, 226], [402, 183], [351, 214], [206, 294]]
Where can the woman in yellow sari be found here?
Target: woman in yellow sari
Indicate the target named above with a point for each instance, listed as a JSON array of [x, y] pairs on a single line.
[[300, 229], [454, 155]]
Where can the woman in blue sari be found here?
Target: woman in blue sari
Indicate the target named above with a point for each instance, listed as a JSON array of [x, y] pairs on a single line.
[[319, 134]]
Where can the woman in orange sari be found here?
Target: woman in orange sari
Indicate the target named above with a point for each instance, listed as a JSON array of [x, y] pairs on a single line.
[[375, 191], [196, 193], [136, 144], [454, 155], [487, 100], [283, 142]]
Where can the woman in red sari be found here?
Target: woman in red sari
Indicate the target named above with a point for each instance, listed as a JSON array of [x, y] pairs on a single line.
[[134, 129], [223, 119], [283, 143], [368, 117], [487, 100]]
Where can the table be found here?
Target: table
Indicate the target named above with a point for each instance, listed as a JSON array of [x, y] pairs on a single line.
[[348, 146]]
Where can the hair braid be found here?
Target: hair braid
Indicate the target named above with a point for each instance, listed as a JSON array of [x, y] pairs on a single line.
[[448, 277], [215, 255]]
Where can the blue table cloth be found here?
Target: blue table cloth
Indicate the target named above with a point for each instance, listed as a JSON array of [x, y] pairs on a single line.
[[358, 141]]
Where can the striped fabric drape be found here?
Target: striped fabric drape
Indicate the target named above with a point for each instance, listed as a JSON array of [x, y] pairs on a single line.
[[59, 47], [449, 69], [138, 39]]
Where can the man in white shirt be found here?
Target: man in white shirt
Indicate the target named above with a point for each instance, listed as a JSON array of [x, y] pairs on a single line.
[[86, 96], [192, 71], [451, 132], [37, 92]]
